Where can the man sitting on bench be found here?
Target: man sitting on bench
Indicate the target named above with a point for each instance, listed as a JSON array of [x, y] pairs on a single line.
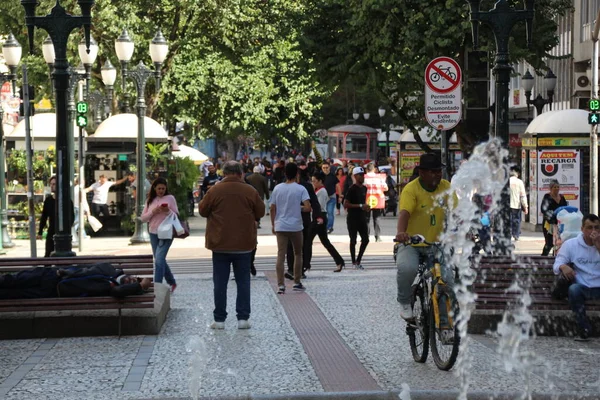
[[76, 281], [584, 254]]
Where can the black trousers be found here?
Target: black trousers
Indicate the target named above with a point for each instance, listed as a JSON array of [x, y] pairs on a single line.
[[321, 231], [306, 251], [357, 226], [376, 214], [49, 244], [29, 284], [549, 238]]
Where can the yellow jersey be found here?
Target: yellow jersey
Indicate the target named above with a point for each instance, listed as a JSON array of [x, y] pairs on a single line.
[[427, 209]]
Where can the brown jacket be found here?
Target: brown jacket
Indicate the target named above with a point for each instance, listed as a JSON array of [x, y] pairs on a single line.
[[260, 184], [232, 207]]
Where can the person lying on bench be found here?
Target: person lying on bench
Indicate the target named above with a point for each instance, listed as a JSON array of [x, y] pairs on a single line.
[[583, 253], [76, 281]]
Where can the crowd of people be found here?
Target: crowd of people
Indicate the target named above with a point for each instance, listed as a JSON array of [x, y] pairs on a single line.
[[300, 197]]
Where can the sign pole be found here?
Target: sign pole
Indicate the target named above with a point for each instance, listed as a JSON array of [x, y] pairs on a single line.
[[594, 128], [444, 155]]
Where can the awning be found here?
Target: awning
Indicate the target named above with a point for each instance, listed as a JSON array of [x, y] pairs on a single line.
[[352, 129], [560, 122], [187, 151], [43, 127], [124, 128]]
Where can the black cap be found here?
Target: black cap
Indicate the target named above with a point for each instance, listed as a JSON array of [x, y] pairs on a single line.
[[430, 161]]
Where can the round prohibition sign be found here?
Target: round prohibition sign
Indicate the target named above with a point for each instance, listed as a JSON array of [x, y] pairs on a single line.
[[443, 75]]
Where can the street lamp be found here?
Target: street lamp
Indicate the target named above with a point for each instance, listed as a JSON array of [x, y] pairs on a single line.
[[539, 102], [59, 24], [387, 133], [124, 47], [12, 51], [501, 19], [159, 48], [109, 76]]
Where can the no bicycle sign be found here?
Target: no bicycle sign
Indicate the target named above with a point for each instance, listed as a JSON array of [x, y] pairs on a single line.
[[443, 93]]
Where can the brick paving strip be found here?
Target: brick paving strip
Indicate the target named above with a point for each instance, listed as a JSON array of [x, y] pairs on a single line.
[[133, 381], [336, 366]]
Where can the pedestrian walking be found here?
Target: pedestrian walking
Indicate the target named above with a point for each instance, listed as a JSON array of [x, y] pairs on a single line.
[[330, 185], [159, 205], [319, 227], [232, 208], [100, 189], [518, 203], [260, 183], [339, 188], [308, 220], [376, 186], [49, 217], [288, 201], [356, 219], [551, 202], [86, 212]]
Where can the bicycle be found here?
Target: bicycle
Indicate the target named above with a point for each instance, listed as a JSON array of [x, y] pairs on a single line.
[[425, 330]]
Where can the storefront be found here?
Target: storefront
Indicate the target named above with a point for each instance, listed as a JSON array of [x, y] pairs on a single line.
[[410, 152], [556, 146]]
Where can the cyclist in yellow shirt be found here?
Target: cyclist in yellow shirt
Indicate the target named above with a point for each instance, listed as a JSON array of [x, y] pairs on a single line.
[[422, 212]]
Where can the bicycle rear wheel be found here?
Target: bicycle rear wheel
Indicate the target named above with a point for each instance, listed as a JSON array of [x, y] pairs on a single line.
[[418, 331], [444, 352]]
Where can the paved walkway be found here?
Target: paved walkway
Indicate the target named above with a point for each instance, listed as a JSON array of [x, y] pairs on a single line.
[[342, 334]]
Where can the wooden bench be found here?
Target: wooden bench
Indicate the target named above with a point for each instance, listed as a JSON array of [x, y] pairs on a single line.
[[496, 275], [139, 265]]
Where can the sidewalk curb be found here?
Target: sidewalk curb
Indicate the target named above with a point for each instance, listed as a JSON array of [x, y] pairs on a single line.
[[394, 395]]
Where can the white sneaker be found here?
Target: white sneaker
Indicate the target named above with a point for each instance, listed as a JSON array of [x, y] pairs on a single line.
[[406, 312], [217, 325], [243, 324]]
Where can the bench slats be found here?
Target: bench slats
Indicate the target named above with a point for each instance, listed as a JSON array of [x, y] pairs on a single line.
[[74, 307]]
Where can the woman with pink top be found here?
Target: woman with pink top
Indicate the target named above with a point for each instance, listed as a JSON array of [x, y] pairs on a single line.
[[158, 206]]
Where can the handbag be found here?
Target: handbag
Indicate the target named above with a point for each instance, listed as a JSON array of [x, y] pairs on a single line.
[[165, 229], [181, 229], [94, 223]]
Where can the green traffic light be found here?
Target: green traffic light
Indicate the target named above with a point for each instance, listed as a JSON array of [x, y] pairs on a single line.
[[81, 121], [593, 118], [82, 107]]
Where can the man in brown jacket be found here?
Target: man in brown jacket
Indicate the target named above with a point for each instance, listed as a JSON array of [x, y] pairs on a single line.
[[232, 208], [259, 182]]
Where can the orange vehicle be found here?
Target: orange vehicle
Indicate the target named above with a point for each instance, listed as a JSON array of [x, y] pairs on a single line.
[[352, 143]]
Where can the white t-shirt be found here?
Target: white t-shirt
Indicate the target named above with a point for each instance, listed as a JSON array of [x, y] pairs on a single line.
[[288, 198], [518, 196], [86, 207], [586, 259], [101, 192]]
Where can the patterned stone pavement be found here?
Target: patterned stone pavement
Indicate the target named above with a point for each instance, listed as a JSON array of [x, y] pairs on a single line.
[[359, 306]]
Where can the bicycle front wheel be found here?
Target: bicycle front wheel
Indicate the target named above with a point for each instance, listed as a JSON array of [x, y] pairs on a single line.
[[418, 331], [444, 345]]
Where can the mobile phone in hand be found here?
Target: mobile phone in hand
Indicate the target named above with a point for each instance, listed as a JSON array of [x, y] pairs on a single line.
[[164, 205]]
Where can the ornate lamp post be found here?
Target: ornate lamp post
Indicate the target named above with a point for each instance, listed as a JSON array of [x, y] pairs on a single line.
[[109, 76], [59, 25], [501, 19], [158, 52], [539, 102], [11, 50]]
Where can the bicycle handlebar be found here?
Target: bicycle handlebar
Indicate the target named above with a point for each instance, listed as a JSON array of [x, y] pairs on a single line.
[[419, 239]]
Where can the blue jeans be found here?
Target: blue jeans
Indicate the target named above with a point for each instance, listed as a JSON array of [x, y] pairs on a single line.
[[241, 272], [515, 222], [331, 212], [578, 294], [160, 248]]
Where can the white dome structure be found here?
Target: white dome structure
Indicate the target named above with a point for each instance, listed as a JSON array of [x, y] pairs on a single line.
[[560, 122], [124, 128]]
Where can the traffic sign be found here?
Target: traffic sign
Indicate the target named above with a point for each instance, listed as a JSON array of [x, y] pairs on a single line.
[[443, 93], [594, 105], [593, 118]]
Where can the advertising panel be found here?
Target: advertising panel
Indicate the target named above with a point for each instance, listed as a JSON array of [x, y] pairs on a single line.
[[408, 161], [563, 166], [375, 184]]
